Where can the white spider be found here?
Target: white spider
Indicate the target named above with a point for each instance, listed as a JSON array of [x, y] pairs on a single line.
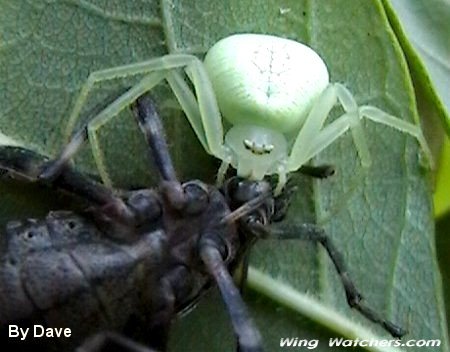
[[275, 93]]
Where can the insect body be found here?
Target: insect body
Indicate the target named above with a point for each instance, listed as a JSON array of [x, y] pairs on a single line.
[[275, 92], [133, 261]]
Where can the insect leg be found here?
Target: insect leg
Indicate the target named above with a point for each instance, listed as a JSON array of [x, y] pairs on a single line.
[[56, 167], [314, 233], [19, 162], [110, 341], [26, 164], [249, 338], [151, 125]]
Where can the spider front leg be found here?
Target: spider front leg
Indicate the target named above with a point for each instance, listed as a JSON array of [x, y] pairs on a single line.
[[313, 137], [201, 109]]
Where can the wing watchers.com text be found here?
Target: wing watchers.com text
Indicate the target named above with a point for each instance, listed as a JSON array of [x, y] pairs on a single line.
[[295, 342]]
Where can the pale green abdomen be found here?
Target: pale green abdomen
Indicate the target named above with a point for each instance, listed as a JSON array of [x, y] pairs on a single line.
[[267, 83]]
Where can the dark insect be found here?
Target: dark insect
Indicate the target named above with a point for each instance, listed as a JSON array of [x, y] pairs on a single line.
[[133, 260]]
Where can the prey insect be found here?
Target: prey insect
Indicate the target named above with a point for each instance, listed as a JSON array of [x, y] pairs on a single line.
[[131, 262], [135, 259]]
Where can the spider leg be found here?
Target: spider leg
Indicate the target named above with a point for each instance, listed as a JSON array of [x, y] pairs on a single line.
[[56, 166], [377, 115], [202, 110], [312, 138], [89, 130], [312, 232], [211, 139], [328, 135], [249, 339], [189, 105], [350, 106], [311, 127], [36, 168]]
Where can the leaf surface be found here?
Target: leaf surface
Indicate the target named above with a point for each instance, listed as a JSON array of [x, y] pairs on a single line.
[[422, 28], [380, 219]]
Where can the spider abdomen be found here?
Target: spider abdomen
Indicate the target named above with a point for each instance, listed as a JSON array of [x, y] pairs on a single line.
[[265, 80]]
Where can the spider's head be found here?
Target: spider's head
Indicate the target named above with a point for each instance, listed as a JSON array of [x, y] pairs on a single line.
[[256, 151]]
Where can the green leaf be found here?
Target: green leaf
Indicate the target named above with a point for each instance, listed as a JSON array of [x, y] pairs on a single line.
[[380, 219], [440, 199], [422, 28]]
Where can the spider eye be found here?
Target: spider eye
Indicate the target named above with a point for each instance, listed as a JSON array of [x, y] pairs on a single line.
[[258, 149]]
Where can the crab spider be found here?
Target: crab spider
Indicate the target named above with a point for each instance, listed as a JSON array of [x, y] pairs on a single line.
[[274, 92]]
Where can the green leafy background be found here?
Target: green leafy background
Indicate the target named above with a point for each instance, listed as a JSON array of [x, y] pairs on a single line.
[[381, 219]]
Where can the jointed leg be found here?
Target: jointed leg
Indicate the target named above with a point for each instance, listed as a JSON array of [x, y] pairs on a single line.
[[350, 106], [377, 115], [312, 139], [311, 127], [321, 171], [151, 125], [152, 65], [24, 163], [222, 172], [312, 232], [27, 164], [307, 143], [204, 117], [249, 339], [328, 135], [189, 105]]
